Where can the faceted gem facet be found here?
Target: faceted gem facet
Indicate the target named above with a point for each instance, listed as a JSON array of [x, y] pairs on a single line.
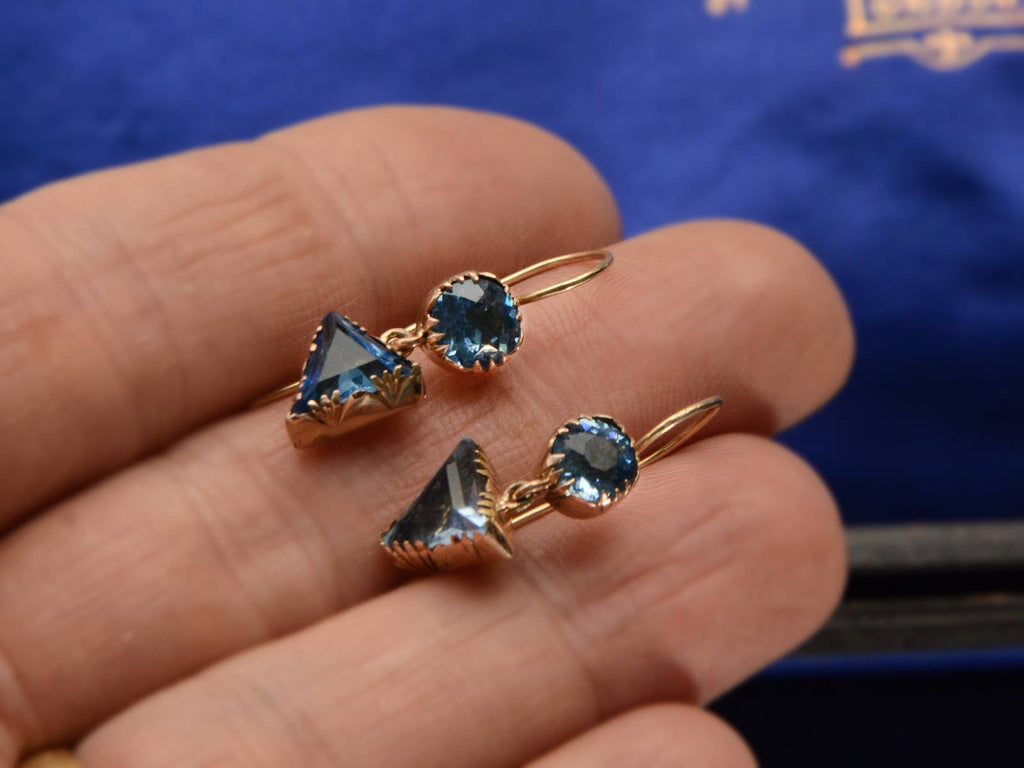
[[477, 321], [597, 457], [451, 523], [345, 359], [449, 508]]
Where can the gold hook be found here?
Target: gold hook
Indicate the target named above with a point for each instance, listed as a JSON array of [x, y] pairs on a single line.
[[277, 394], [530, 500], [690, 420], [605, 257], [404, 340]]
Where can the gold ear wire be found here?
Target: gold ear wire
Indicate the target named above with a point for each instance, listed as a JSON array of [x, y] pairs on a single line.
[[605, 259], [687, 422]]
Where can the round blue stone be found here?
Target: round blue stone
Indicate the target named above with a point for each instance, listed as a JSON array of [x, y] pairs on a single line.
[[478, 321], [597, 458]]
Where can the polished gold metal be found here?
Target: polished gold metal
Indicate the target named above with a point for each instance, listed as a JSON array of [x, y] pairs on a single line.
[[277, 394], [404, 340], [55, 759], [603, 257], [526, 501], [330, 416], [678, 428], [494, 545], [522, 497], [545, 495], [433, 341]]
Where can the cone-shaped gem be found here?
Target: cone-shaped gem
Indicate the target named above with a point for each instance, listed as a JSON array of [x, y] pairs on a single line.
[[450, 504], [451, 523], [345, 358]]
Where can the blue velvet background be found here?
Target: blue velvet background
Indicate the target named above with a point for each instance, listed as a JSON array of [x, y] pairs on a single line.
[[908, 183]]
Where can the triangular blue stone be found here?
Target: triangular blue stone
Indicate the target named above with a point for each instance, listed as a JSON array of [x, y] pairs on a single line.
[[449, 507], [345, 358]]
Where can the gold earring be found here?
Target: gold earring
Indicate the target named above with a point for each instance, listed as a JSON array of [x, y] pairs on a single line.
[[460, 519], [469, 323]]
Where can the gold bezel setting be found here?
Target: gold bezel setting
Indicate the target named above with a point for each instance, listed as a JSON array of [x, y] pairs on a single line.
[[330, 416], [526, 501], [470, 548], [434, 341], [568, 503]]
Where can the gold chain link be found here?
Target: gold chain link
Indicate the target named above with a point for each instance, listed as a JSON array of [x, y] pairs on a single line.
[[522, 495], [403, 340]]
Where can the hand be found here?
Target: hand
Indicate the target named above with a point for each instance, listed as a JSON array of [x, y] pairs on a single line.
[[180, 588]]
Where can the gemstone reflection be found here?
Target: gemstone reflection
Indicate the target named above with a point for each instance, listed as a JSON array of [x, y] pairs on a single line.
[[478, 322], [449, 507], [597, 458], [345, 359]]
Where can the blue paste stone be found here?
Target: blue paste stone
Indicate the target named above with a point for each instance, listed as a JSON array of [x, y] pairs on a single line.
[[449, 507], [345, 358], [597, 457], [478, 321]]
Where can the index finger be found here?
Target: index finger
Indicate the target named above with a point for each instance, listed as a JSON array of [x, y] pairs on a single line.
[[140, 303]]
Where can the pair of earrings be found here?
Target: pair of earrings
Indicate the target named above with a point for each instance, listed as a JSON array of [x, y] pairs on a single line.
[[471, 323]]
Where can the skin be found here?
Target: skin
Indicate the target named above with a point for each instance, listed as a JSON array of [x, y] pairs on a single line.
[[180, 587]]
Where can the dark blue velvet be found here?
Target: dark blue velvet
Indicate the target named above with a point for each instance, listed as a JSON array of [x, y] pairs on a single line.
[[907, 182]]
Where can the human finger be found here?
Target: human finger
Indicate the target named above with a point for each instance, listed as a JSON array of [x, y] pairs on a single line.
[[142, 302], [656, 736], [231, 539], [724, 557]]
